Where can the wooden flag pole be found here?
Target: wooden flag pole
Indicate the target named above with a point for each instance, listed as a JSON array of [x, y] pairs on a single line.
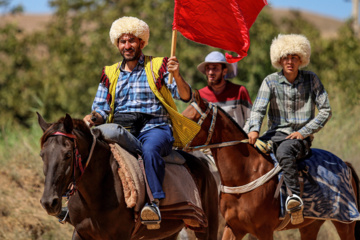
[[173, 50]]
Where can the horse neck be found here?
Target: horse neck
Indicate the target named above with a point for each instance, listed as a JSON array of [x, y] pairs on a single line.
[[98, 174], [238, 164]]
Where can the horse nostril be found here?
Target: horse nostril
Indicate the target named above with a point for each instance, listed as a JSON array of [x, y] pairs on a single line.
[[55, 202], [50, 204]]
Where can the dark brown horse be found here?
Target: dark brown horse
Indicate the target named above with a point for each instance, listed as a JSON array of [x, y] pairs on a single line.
[[257, 211], [97, 209]]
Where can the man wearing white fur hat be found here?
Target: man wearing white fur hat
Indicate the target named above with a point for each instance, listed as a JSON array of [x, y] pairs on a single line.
[[136, 94], [291, 96]]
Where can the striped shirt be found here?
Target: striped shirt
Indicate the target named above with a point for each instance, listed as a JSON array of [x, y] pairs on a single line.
[[133, 94], [234, 100], [291, 106]]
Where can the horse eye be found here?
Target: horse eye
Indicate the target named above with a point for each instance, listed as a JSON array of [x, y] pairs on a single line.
[[68, 154]]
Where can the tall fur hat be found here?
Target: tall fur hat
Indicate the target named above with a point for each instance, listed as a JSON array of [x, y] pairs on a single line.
[[130, 25], [286, 44]]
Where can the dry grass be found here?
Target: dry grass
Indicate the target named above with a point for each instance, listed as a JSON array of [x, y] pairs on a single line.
[[28, 22], [328, 26]]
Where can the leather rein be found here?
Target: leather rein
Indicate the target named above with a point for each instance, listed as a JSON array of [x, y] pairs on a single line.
[[225, 189], [211, 129]]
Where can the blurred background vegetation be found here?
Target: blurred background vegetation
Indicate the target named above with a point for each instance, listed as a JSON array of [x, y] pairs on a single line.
[[56, 70]]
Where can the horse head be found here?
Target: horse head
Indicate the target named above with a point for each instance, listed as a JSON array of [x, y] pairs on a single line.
[[216, 125], [62, 145], [226, 139]]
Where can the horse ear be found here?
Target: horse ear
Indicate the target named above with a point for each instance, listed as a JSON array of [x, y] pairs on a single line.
[[199, 101], [68, 124], [43, 124]]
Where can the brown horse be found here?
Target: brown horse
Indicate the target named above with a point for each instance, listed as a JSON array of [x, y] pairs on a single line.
[[257, 211], [98, 210]]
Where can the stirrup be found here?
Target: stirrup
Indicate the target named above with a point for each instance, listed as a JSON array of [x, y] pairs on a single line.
[[295, 206], [150, 216]]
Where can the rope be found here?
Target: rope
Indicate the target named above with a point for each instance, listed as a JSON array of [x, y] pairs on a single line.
[[252, 185]]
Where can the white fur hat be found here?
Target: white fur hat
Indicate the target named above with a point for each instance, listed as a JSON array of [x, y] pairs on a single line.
[[130, 25], [286, 44]]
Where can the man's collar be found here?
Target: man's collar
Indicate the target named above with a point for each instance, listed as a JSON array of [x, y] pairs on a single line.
[[139, 63], [299, 78]]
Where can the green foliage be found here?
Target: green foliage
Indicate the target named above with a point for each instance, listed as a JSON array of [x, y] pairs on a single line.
[[56, 71], [257, 65]]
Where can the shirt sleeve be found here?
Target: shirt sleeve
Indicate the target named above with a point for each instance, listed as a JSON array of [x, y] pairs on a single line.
[[246, 106], [174, 89], [320, 97], [258, 110], [100, 104]]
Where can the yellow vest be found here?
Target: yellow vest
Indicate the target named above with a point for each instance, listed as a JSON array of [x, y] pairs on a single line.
[[184, 129]]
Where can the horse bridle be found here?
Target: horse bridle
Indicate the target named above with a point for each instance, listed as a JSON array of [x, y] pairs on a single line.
[[78, 159], [203, 116], [225, 189]]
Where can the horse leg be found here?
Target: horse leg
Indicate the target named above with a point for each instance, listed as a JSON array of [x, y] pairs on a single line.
[[76, 236], [311, 231], [186, 234], [345, 231], [228, 234]]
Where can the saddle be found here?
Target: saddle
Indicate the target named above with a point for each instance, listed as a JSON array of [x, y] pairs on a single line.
[[182, 200]]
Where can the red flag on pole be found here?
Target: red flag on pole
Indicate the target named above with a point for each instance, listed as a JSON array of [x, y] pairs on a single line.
[[222, 24]]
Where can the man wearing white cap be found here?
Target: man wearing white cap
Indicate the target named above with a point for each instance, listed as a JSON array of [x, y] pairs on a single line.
[[290, 96], [136, 94], [232, 98]]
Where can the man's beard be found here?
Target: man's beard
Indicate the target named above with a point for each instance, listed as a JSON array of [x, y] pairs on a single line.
[[137, 53], [215, 82]]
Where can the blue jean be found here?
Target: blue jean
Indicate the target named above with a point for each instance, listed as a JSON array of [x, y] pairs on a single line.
[[154, 144], [119, 134]]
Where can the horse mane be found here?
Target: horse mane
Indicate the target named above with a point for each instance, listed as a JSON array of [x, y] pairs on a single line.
[[233, 121]]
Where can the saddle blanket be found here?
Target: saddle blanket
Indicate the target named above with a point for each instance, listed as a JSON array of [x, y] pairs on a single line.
[[332, 197], [182, 200]]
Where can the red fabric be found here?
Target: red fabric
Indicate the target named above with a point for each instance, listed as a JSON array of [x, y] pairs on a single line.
[[222, 24], [232, 93]]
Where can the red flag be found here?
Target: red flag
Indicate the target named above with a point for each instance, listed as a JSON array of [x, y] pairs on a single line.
[[222, 24]]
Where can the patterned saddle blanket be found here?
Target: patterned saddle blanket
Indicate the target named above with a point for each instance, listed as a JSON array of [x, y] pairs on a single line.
[[332, 196], [182, 200]]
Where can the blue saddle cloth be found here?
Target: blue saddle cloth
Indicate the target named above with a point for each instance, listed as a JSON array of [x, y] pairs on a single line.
[[332, 197]]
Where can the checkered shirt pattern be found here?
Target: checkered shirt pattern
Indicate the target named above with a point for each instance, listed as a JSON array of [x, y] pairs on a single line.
[[133, 94], [291, 106]]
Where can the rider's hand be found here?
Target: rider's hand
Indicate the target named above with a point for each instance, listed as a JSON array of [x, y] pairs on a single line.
[[295, 135], [88, 121], [253, 136], [93, 119], [173, 66]]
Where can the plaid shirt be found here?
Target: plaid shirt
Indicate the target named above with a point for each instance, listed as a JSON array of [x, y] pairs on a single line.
[[133, 94], [291, 106]]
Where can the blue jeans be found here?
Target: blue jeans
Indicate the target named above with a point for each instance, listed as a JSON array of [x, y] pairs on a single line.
[[154, 144], [119, 134]]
